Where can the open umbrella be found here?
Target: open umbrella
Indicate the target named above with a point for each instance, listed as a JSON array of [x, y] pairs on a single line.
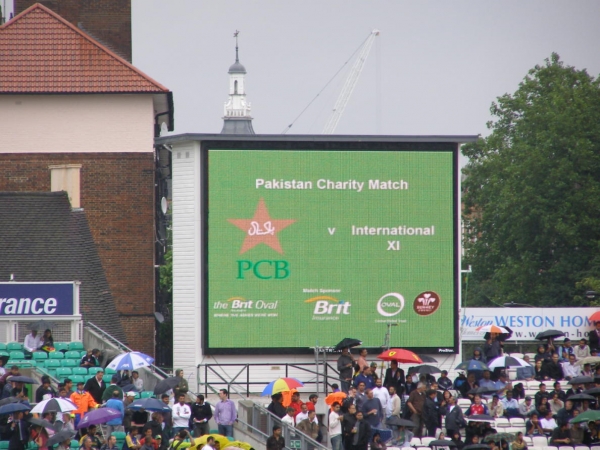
[[508, 361], [588, 360], [428, 359], [581, 397], [281, 385], [54, 405], [593, 391], [549, 334], [591, 415], [130, 361], [497, 437], [399, 422], [239, 444], [400, 355], [98, 416], [424, 369], [491, 329], [166, 384], [59, 437], [41, 325], [580, 380], [13, 408], [222, 440], [7, 400], [472, 364], [481, 418], [335, 397], [347, 343], [42, 423], [501, 337], [149, 404], [22, 379], [595, 317]]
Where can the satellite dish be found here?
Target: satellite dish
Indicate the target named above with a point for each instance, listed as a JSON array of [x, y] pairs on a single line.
[[159, 317], [164, 205]]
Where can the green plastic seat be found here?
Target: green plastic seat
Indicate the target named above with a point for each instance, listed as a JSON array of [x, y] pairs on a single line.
[[69, 363], [72, 354], [109, 371], [77, 379], [52, 363], [74, 444], [15, 354], [56, 355], [59, 346], [82, 353], [3, 445], [14, 346], [147, 394], [2, 346], [94, 370], [4, 353], [80, 371], [107, 378], [120, 435], [40, 355], [63, 372], [76, 346]]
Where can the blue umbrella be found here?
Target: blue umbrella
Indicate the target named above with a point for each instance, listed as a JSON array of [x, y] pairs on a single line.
[[149, 404], [131, 361], [98, 416], [472, 364], [13, 408]]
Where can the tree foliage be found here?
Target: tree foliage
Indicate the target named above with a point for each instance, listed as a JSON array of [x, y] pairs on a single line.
[[532, 192]]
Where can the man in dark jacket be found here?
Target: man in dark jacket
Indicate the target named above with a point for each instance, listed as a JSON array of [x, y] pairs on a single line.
[[201, 414], [432, 414], [96, 386], [18, 432], [552, 370], [394, 377], [361, 433], [276, 406], [455, 419], [276, 442], [345, 367]]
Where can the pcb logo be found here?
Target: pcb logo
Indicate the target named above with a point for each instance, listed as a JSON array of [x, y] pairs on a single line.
[[426, 303]]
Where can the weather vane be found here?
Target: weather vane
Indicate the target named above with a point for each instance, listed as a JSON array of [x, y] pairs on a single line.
[[235, 35]]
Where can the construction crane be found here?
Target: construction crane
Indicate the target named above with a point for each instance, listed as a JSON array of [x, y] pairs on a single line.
[[350, 84]]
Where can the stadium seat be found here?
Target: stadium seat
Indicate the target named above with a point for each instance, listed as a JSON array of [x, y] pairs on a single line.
[[502, 422], [82, 353], [581, 447], [60, 346], [2, 346], [551, 447], [540, 441], [120, 435], [72, 354], [77, 379], [415, 442], [76, 346], [147, 394], [63, 372], [427, 440], [107, 378], [566, 447], [69, 363], [3, 445], [52, 363], [4, 353], [79, 371], [94, 370], [110, 371], [517, 422], [14, 346], [56, 355], [74, 444], [595, 447], [40, 355], [15, 354]]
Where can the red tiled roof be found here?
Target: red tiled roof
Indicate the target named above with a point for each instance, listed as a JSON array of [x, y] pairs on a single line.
[[40, 52]]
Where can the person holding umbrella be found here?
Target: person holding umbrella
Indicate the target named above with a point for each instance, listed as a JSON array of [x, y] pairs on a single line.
[[345, 365], [17, 432]]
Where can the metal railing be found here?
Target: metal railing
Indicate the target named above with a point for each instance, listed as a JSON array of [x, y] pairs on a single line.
[[246, 379], [120, 345], [254, 419]]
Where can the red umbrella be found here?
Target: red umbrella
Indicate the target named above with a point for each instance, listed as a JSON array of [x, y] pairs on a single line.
[[595, 317], [400, 355]]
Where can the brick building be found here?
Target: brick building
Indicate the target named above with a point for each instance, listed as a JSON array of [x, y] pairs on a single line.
[[75, 116]]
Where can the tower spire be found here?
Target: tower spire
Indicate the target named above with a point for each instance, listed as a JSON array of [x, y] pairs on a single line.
[[235, 35]]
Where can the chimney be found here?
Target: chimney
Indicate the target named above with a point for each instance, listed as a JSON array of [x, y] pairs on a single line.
[[65, 177]]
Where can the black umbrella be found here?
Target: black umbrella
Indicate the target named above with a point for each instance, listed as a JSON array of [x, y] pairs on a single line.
[[581, 397], [424, 369], [166, 384], [42, 423], [399, 422], [41, 325], [22, 379], [347, 342], [549, 334], [502, 337], [483, 390], [128, 388], [442, 443], [580, 380], [497, 437], [480, 418], [592, 391], [476, 447], [427, 359], [7, 400], [59, 437]]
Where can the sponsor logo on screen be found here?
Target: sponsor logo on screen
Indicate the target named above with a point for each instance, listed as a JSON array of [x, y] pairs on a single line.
[[329, 306], [426, 303], [241, 303], [390, 304]]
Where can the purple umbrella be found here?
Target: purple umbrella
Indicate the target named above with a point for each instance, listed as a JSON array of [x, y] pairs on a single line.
[[98, 416]]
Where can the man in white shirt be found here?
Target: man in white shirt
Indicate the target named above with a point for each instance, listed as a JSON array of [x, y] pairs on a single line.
[[32, 342], [289, 417], [210, 443], [302, 414], [570, 370], [393, 409], [381, 393], [335, 427], [548, 423], [181, 415]]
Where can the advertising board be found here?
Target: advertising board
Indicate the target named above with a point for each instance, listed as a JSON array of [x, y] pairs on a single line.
[[36, 299], [306, 247], [526, 323]]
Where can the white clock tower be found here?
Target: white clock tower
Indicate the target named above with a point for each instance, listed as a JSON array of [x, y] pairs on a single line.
[[237, 118]]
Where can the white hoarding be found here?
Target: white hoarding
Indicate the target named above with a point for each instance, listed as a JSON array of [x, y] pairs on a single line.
[[526, 323]]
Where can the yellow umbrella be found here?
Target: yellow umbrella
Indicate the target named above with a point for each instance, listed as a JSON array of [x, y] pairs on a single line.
[[239, 444], [222, 440]]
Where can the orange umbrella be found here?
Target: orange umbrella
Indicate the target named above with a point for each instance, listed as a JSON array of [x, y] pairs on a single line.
[[400, 355], [287, 397], [335, 397], [595, 317]]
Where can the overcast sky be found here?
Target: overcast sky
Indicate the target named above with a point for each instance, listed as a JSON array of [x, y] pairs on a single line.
[[435, 68]]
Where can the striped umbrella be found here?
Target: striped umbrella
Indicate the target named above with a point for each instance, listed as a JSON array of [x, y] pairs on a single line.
[[281, 385]]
